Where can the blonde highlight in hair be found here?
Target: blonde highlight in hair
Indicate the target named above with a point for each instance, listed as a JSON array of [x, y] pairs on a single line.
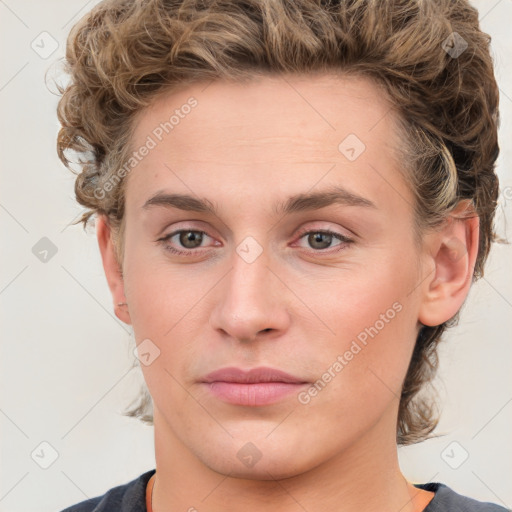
[[125, 53]]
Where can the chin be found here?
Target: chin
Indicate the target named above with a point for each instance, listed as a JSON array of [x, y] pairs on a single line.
[[260, 459], [263, 470]]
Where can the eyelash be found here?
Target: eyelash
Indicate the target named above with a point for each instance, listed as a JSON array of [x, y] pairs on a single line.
[[192, 252]]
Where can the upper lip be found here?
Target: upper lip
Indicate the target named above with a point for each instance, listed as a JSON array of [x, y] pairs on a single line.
[[253, 375]]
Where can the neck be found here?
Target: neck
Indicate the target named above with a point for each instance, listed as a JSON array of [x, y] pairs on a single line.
[[364, 477]]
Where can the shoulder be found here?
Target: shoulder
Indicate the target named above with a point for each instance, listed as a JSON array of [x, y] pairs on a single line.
[[129, 497], [446, 499]]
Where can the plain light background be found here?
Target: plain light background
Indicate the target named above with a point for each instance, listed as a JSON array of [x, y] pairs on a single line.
[[65, 358]]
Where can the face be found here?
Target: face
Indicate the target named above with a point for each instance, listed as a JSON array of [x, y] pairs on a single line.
[[323, 288]]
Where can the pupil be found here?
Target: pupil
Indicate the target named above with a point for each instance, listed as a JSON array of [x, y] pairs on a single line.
[[317, 238], [190, 236]]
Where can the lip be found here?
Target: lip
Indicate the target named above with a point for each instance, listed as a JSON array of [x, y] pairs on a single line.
[[254, 375], [255, 387]]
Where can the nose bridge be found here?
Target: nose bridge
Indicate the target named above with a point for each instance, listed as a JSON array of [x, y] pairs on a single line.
[[250, 275], [249, 302]]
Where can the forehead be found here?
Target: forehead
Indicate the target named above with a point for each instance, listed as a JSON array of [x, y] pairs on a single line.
[[284, 132]]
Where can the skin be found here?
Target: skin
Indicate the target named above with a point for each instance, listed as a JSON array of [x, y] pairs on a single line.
[[295, 308]]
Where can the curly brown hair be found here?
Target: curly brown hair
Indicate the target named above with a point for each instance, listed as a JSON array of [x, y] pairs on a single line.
[[430, 57]]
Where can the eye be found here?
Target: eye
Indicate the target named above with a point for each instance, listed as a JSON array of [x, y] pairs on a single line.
[[190, 239], [321, 240]]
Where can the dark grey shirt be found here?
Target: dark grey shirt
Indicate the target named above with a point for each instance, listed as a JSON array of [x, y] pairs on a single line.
[[131, 497]]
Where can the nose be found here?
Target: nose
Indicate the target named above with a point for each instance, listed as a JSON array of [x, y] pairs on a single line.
[[251, 302]]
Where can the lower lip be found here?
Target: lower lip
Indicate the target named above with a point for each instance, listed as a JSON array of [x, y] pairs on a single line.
[[255, 394]]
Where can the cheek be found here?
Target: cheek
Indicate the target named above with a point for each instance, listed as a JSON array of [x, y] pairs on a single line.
[[165, 307], [362, 375], [160, 294], [371, 319], [346, 303]]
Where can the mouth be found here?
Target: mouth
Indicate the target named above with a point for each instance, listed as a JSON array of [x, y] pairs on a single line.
[[255, 387]]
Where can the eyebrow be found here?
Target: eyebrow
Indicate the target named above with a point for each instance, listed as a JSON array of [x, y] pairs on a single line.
[[294, 204]]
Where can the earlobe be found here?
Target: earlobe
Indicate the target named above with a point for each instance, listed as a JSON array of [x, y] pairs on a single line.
[[454, 250], [112, 269]]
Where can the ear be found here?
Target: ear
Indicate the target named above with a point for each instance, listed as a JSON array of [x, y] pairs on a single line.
[[452, 254], [112, 268]]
